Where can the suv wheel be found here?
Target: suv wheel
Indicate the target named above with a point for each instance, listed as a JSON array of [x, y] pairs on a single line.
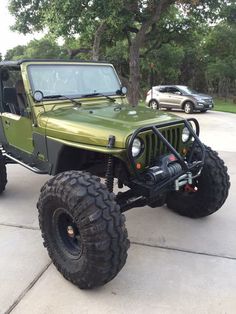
[[188, 107], [208, 191], [3, 173], [153, 104], [83, 228]]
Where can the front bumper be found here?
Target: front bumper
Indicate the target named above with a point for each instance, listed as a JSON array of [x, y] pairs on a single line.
[[204, 105], [138, 182]]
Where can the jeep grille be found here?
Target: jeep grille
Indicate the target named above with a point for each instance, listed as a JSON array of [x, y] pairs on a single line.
[[155, 148]]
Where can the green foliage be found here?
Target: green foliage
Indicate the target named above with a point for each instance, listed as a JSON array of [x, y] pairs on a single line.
[[15, 53], [164, 64], [169, 57], [222, 41], [37, 49], [220, 47], [118, 55], [43, 49]]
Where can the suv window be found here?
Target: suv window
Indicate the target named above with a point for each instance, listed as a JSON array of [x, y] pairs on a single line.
[[173, 90], [163, 90]]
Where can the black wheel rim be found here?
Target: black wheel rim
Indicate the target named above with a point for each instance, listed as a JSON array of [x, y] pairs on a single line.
[[66, 233]]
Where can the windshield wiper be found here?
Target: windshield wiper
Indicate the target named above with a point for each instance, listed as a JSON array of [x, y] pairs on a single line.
[[97, 94], [62, 96]]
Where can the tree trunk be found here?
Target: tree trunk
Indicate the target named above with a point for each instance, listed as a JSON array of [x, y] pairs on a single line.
[[134, 80], [135, 46], [97, 41]]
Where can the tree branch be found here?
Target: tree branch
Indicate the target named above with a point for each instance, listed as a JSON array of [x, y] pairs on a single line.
[[156, 45], [131, 29], [73, 52], [157, 11]]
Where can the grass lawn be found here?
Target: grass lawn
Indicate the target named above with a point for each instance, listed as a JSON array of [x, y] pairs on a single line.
[[226, 106]]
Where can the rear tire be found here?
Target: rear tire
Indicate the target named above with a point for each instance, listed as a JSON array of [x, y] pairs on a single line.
[[82, 228], [3, 173], [209, 190], [153, 104], [188, 107]]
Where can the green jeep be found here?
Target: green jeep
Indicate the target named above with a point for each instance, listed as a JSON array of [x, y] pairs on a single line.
[[71, 120]]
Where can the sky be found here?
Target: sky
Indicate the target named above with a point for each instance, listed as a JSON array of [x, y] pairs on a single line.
[[10, 39]]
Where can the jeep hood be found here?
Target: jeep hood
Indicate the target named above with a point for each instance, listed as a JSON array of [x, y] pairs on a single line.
[[93, 125]]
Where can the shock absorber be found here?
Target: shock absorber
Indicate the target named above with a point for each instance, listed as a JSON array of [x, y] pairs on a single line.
[[110, 173], [109, 178]]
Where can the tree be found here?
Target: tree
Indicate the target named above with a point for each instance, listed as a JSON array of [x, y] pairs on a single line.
[[108, 22], [44, 48], [15, 53], [220, 49]]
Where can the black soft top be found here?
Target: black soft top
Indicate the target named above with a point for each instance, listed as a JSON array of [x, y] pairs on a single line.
[[17, 63]]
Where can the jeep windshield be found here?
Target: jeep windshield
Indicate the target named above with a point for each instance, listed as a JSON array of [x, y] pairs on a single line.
[[73, 80]]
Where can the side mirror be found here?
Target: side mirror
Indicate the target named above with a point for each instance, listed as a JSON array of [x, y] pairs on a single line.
[[9, 95], [38, 95], [122, 91]]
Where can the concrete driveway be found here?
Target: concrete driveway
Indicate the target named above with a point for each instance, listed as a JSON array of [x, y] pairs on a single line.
[[175, 264]]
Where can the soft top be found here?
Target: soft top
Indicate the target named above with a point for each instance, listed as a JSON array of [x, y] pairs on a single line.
[[19, 62]]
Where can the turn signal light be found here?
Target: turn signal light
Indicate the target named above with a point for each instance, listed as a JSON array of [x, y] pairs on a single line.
[[138, 165], [184, 151]]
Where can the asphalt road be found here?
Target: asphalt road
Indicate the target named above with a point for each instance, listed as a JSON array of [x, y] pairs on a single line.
[[175, 264]]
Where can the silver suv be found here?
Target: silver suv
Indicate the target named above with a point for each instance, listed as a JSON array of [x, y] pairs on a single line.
[[178, 97]]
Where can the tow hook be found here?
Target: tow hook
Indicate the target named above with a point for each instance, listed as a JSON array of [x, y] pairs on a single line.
[[183, 180]]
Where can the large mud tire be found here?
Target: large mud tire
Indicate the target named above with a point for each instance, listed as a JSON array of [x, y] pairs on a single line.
[[3, 173], [82, 228], [212, 188]]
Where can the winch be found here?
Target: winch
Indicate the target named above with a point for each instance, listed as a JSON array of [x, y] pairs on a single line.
[[167, 167]]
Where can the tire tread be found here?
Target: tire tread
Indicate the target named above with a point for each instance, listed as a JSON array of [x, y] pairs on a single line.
[[104, 232], [213, 196], [3, 173]]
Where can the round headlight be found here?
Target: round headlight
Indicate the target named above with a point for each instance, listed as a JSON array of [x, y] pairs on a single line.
[[185, 135], [136, 148]]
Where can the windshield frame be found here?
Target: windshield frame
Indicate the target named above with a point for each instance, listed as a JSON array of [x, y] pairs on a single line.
[[79, 95]]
